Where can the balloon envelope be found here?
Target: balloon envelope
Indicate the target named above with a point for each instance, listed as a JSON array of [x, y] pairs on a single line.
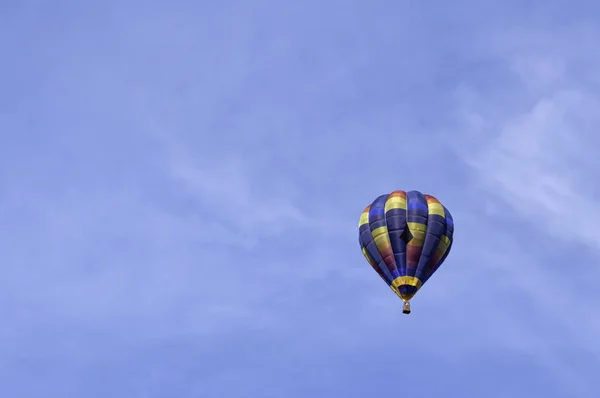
[[405, 236]]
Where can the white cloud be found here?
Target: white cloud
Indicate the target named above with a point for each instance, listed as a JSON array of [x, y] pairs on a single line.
[[536, 151]]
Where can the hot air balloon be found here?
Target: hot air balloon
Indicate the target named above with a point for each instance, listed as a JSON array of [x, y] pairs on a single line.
[[405, 236]]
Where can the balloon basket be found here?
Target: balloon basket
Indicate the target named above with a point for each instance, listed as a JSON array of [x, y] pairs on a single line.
[[406, 309]]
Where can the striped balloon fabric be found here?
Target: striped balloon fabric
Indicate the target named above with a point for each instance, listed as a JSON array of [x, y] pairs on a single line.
[[405, 236]]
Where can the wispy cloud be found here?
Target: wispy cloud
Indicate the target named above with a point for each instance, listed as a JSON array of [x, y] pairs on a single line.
[[534, 150]]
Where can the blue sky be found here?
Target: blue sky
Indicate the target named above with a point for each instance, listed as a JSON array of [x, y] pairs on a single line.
[[180, 187]]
